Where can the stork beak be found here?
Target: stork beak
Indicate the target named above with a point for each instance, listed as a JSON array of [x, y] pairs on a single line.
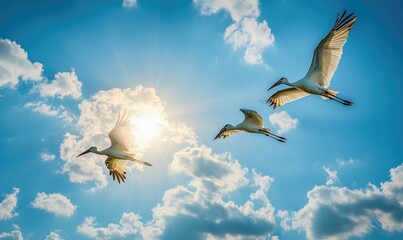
[[219, 134], [275, 85], [84, 153]]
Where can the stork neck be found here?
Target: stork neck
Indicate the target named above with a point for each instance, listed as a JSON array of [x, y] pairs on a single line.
[[102, 152], [230, 127], [289, 84]]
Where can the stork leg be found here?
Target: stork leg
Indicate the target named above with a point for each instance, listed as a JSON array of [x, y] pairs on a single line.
[[272, 135], [337, 99]]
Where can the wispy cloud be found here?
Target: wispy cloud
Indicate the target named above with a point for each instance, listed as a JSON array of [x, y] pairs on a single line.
[[345, 162], [45, 156], [246, 32], [48, 110], [14, 234], [14, 65], [332, 176], [8, 205], [65, 84], [283, 121], [129, 3], [341, 213], [55, 203]]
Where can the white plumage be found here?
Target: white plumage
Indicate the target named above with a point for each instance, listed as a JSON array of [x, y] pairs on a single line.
[[119, 151], [252, 123], [325, 59]]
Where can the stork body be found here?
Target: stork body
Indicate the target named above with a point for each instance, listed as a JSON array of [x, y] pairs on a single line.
[[253, 123], [118, 153], [325, 59]]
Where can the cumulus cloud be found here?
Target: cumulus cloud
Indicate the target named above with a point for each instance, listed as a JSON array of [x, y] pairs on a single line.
[[200, 209], [48, 110], [14, 234], [53, 236], [98, 116], [254, 37], [45, 156], [129, 3], [236, 8], [246, 32], [55, 203], [332, 176], [283, 121], [129, 226], [65, 84], [341, 213], [14, 65], [8, 205]]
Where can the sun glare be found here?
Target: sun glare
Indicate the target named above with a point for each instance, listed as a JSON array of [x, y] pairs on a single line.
[[147, 128]]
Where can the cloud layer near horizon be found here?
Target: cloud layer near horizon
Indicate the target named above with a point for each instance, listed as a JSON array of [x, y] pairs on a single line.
[[341, 213]]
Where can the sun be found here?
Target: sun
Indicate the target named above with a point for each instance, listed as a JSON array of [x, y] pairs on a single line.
[[147, 128]]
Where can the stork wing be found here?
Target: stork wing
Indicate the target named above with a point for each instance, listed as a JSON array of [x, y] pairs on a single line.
[[252, 117], [120, 134], [225, 133], [116, 168], [327, 54], [285, 96]]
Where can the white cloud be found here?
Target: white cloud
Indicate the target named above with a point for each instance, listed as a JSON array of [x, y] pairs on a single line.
[[283, 121], [200, 209], [245, 32], [55, 203], [180, 133], [65, 84], [14, 65], [8, 205], [251, 35], [48, 110], [45, 156], [341, 213], [129, 3], [129, 227], [53, 236], [332, 176], [342, 162], [236, 8], [97, 117], [14, 234]]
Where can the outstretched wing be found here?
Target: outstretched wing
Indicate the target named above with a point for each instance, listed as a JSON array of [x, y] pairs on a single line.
[[120, 134], [252, 117], [285, 96], [225, 133], [327, 54], [116, 168]]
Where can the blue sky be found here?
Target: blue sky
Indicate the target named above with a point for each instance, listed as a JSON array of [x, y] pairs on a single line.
[[185, 68]]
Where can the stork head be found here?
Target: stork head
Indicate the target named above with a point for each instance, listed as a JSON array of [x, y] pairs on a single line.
[[282, 80], [91, 149], [225, 128]]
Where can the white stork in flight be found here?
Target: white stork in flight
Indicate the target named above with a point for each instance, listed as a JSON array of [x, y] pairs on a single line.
[[252, 123], [118, 153], [325, 59]]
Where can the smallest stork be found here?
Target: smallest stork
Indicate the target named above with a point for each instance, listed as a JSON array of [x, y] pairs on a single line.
[[252, 123]]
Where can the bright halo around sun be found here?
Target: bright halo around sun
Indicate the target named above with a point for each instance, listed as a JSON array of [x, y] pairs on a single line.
[[147, 127]]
